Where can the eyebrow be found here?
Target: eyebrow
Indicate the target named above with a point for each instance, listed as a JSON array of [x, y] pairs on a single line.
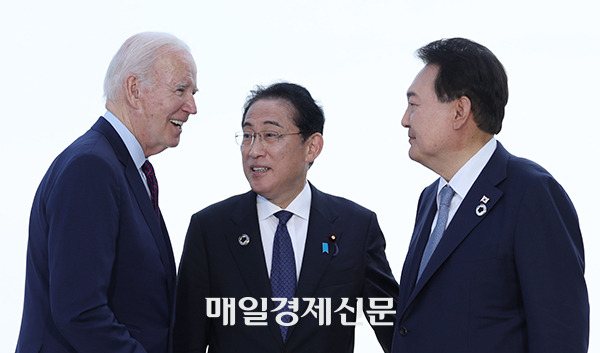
[[186, 85], [268, 122], [410, 94]]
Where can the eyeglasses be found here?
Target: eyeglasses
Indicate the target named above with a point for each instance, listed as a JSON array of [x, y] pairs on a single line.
[[245, 139]]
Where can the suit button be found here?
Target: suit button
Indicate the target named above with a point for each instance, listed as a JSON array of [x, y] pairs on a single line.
[[403, 331]]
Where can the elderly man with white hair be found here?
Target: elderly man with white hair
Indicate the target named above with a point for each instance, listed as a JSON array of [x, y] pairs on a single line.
[[100, 270]]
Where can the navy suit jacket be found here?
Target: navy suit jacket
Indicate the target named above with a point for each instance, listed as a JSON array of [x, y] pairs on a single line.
[[509, 280], [215, 265], [100, 269]]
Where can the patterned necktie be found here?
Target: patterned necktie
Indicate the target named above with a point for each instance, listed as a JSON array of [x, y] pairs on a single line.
[[152, 184], [283, 267], [440, 226]]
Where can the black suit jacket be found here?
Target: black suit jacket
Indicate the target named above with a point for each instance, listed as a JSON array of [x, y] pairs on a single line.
[[508, 280], [100, 268], [215, 265]]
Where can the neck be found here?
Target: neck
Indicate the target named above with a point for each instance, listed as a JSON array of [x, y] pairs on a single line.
[[283, 201], [452, 163], [125, 116]]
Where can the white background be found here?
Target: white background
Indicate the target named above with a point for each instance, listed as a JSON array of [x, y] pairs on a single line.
[[355, 57]]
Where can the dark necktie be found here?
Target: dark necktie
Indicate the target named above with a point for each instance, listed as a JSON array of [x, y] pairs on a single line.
[[283, 267], [152, 184], [446, 195]]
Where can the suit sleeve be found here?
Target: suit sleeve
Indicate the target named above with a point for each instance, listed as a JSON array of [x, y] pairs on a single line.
[[379, 282], [191, 322], [83, 220], [550, 263]]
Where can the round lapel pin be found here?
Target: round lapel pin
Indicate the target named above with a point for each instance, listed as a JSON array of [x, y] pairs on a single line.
[[481, 210], [244, 239]]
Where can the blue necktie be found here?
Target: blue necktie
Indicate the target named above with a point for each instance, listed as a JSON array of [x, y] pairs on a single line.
[[283, 267], [152, 185], [440, 226]]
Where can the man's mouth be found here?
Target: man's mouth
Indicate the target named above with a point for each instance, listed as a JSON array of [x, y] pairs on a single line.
[[260, 169], [177, 123]]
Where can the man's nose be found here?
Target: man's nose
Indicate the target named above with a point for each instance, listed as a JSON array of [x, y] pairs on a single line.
[[190, 105], [256, 146]]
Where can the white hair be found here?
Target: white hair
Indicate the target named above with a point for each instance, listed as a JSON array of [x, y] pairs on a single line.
[[137, 56]]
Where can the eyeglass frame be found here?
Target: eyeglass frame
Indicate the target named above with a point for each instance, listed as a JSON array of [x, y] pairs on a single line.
[[261, 137]]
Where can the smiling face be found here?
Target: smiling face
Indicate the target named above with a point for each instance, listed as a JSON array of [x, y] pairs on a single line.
[[277, 171], [165, 102], [429, 121]]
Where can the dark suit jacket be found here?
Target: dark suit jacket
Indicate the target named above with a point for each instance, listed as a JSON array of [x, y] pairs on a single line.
[[215, 265], [510, 280], [100, 269]]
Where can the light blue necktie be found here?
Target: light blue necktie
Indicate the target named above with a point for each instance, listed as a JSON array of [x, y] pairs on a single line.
[[446, 195], [283, 267]]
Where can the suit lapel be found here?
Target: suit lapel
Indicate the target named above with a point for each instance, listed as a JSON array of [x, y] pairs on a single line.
[[423, 224], [159, 233], [466, 218], [250, 259], [314, 261]]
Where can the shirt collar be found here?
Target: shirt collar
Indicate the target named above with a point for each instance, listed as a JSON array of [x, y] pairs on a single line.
[[462, 181], [300, 206], [132, 144]]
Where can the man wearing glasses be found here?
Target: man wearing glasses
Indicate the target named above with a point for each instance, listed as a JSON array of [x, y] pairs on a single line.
[[268, 271]]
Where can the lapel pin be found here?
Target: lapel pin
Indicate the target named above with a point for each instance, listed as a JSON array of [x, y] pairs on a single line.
[[481, 210], [333, 241], [325, 248], [244, 239]]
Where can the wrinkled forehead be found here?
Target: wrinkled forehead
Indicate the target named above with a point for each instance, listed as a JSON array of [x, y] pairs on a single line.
[[177, 66]]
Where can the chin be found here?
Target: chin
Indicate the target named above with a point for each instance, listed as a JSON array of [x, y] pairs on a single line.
[[414, 155], [259, 189], [255, 186]]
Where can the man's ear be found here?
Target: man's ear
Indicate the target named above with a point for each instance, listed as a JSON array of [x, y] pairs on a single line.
[[132, 90], [462, 112], [314, 146]]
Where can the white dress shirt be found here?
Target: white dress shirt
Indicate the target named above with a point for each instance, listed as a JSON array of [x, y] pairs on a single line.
[[297, 225], [462, 181]]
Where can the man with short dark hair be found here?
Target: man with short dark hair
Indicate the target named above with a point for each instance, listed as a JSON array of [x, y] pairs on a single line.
[[284, 240], [496, 261], [100, 268]]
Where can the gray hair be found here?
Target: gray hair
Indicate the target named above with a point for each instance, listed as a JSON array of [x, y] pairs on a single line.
[[137, 56]]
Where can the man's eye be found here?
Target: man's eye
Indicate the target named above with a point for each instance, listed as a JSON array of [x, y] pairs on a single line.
[[247, 136], [270, 134]]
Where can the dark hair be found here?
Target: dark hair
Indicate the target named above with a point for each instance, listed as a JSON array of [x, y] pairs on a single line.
[[309, 117], [469, 69]]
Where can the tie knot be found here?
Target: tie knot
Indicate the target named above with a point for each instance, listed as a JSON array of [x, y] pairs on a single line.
[[446, 195], [147, 168], [284, 216]]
